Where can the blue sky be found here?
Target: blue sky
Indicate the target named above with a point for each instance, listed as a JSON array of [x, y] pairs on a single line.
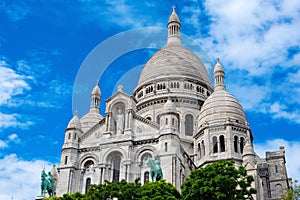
[[45, 47]]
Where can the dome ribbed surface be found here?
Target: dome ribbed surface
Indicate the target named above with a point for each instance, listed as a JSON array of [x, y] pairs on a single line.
[[174, 61], [220, 107], [96, 91], [74, 122], [89, 120]]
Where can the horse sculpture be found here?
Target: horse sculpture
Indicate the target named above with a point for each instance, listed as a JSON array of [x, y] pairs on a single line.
[[155, 169], [47, 184]]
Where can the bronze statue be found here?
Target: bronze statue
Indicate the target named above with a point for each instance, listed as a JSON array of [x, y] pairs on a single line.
[[47, 184], [155, 169]]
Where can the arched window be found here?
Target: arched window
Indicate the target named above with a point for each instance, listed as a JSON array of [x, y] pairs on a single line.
[[242, 143], [203, 147], [235, 144], [87, 184], [189, 125], [215, 144], [222, 143], [116, 169], [88, 165], [149, 118], [146, 177]]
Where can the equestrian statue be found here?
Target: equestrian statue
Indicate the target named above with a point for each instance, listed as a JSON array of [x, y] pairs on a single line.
[[155, 169], [47, 184]]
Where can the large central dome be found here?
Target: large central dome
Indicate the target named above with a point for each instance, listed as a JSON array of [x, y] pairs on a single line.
[[174, 71], [174, 60]]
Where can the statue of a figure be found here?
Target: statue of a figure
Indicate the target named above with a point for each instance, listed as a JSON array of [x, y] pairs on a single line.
[[155, 169], [47, 184], [44, 183], [119, 121]]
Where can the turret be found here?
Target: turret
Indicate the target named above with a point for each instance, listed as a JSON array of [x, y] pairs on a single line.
[[219, 76], [95, 99], [174, 29], [169, 118]]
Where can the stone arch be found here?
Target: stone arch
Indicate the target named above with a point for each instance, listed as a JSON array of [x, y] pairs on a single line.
[[142, 150], [87, 157], [113, 151], [116, 101]]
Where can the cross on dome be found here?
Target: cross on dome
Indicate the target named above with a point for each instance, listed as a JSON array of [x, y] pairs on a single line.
[[173, 7]]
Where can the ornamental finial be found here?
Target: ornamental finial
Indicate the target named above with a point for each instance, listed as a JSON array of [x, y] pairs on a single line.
[[173, 7], [218, 60]]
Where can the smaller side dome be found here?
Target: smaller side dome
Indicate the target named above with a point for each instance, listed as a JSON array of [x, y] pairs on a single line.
[[221, 106], [169, 107], [75, 122]]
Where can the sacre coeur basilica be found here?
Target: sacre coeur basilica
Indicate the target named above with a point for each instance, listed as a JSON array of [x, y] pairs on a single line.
[[174, 115]]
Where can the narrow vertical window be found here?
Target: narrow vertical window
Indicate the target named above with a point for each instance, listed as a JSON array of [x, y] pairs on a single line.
[[75, 136], [222, 143], [116, 169], [173, 121], [146, 177], [215, 144], [189, 125], [242, 144], [69, 137], [276, 169], [87, 184], [203, 147], [166, 147], [235, 144], [199, 150], [166, 121], [66, 160]]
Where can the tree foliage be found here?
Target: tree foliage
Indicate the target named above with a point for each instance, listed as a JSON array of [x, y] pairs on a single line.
[[159, 191], [292, 193], [125, 191], [219, 180]]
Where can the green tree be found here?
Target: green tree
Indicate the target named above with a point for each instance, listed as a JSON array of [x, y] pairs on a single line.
[[121, 190], [292, 193], [159, 190], [219, 180]]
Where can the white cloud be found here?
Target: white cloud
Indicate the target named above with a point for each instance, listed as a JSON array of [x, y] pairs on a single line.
[[3, 144], [292, 149], [11, 83], [254, 38], [20, 179], [11, 138], [17, 80]]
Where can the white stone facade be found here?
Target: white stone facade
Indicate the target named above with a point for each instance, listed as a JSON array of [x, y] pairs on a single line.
[[175, 114]]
